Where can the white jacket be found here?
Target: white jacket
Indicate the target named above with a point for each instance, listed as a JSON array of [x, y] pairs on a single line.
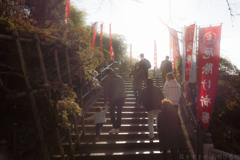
[[172, 91], [99, 117]]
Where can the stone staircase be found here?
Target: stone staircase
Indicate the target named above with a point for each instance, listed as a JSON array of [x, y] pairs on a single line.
[[132, 142]]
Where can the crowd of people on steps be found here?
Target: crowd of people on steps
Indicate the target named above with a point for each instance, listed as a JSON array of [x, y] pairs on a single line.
[[160, 104]]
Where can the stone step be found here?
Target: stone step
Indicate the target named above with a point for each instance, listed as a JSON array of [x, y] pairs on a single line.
[[131, 120], [124, 114], [97, 145], [131, 79], [124, 109], [126, 103], [129, 95], [128, 99], [126, 155], [124, 128], [121, 136]]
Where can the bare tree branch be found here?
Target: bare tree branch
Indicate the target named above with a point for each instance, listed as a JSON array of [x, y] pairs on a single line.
[[230, 10]]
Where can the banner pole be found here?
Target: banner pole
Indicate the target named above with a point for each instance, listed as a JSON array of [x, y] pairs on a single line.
[[197, 31]]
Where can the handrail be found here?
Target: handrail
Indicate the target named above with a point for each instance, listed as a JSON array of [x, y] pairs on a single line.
[[100, 72], [183, 96], [194, 120], [190, 118], [95, 77], [229, 155], [108, 66]]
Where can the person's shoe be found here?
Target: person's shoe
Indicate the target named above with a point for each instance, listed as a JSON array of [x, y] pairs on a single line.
[[150, 139], [112, 130], [97, 138], [117, 130]]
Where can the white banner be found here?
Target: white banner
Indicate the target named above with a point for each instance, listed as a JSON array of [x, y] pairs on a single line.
[[192, 78], [193, 70]]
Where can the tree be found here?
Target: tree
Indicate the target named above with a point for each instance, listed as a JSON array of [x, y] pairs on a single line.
[[223, 124], [120, 51]]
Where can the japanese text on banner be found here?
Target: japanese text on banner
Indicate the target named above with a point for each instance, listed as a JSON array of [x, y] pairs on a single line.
[[189, 38], [208, 64]]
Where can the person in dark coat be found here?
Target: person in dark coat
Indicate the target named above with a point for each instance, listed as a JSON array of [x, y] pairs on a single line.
[[151, 98], [114, 92], [169, 131], [138, 78], [145, 65], [166, 67]]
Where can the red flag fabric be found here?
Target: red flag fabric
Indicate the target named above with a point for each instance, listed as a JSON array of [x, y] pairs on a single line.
[[207, 74], [130, 56], [176, 51], [110, 42], [189, 36], [101, 34], [171, 43], [67, 6], [155, 55], [94, 32]]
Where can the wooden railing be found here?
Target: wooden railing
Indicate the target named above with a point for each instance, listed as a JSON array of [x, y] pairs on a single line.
[[194, 129], [82, 99]]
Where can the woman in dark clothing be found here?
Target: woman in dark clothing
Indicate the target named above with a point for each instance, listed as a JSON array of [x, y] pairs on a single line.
[[138, 78], [169, 131]]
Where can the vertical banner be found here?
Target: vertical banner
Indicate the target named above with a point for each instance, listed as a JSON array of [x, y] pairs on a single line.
[[207, 79], [130, 56], [67, 6], [171, 43], [189, 36], [110, 42], [193, 70], [176, 51], [94, 32], [183, 54], [101, 37], [155, 55]]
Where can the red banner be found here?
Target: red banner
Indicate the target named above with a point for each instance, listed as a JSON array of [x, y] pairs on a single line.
[[67, 6], [155, 55], [101, 37], [130, 56], [110, 42], [189, 37], [176, 52], [207, 74], [171, 43], [94, 32]]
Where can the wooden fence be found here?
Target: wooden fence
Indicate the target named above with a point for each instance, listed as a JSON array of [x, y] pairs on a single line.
[[31, 92]]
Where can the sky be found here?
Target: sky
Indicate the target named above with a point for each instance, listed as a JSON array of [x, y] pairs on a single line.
[[137, 21]]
